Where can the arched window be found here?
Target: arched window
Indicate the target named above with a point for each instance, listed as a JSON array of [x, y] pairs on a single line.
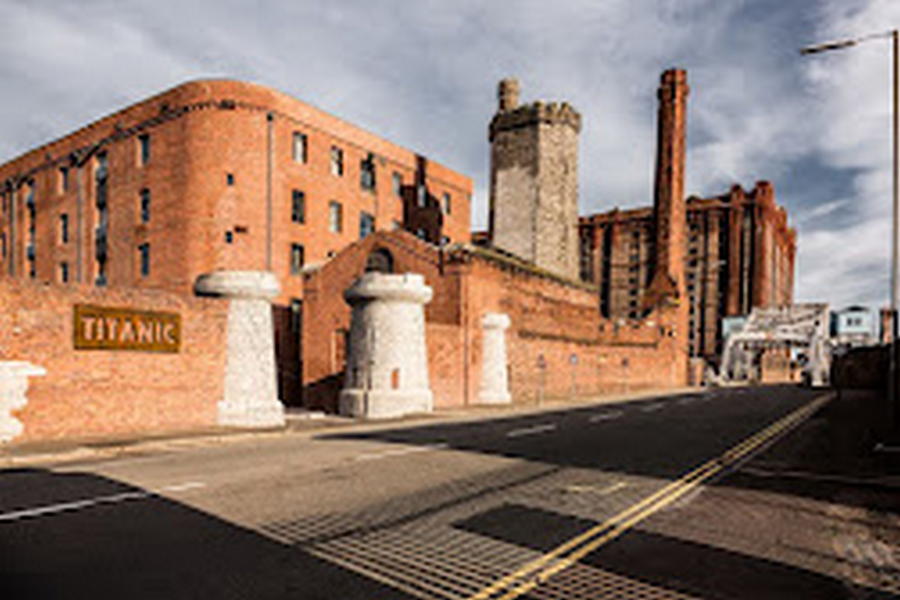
[[380, 261]]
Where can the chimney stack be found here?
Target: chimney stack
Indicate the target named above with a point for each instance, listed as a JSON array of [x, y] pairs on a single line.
[[508, 94], [670, 210]]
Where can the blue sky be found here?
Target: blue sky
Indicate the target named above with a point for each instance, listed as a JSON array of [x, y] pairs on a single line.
[[424, 74]]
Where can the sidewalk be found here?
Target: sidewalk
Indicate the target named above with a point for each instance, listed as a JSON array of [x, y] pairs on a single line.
[[845, 492], [299, 422]]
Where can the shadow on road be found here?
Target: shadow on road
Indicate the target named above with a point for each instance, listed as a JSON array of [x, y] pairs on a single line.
[[833, 447], [146, 547], [665, 562]]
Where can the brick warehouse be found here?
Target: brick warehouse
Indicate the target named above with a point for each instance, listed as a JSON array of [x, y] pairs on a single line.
[[220, 175], [217, 175], [741, 255]]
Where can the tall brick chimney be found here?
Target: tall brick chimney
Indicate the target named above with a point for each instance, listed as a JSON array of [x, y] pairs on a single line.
[[670, 211]]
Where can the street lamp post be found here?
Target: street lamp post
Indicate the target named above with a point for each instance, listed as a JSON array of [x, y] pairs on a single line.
[[895, 250]]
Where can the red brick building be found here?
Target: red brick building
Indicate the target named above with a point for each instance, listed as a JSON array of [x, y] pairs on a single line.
[[221, 175], [740, 255], [217, 175], [559, 343]]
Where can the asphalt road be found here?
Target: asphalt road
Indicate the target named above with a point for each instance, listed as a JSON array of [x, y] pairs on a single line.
[[631, 500]]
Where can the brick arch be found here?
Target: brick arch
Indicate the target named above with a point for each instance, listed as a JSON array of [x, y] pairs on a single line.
[[380, 260]]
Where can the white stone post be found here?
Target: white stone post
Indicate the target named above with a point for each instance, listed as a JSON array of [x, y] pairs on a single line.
[[13, 395], [494, 371], [387, 360], [251, 389]]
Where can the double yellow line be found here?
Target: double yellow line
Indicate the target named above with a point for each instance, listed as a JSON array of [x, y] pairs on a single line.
[[546, 566]]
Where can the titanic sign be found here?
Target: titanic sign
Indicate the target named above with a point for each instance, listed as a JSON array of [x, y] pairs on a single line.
[[103, 328]]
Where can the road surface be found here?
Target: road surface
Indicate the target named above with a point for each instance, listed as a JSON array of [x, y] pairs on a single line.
[[644, 499]]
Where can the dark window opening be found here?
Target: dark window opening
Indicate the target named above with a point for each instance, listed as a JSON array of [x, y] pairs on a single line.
[[144, 142], [300, 147], [144, 251], [367, 173], [298, 206], [145, 205], [296, 259], [380, 261], [366, 224]]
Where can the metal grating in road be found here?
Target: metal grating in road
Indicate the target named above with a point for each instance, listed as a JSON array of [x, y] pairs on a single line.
[[576, 492], [445, 563], [446, 499]]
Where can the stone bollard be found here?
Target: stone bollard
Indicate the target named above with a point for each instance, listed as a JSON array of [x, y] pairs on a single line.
[[251, 390], [387, 361], [494, 372], [13, 387]]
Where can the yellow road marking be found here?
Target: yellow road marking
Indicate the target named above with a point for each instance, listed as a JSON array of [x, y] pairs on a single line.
[[544, 567]]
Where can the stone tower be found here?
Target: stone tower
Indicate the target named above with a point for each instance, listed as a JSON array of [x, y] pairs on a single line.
[[670, 209], [534, 181]]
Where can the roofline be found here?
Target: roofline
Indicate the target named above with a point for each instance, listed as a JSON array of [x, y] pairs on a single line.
[[111, 118]]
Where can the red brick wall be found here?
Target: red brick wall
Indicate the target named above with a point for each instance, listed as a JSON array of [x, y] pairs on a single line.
[[556, 320], [98, 393], [326, 315], [199, 133], [550, 317]]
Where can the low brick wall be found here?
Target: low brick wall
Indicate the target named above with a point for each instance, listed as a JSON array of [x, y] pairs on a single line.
[[554, 323], [88, 393]]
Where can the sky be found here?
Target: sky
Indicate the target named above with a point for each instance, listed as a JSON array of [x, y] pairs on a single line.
[[424, 75]]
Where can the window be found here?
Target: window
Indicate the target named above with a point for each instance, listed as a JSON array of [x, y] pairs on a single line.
[[101, 241], [144, 251], [144, 145], [335, 217], [64, 179], [380, 261], [64, 272], [366, 224], [397, 185], [337, 161], [64, 228], [3, 245], [102, 165], [299, 147], [420, 233], [421, 195], [32, 228], [367, 173], [296, 259], [145, 205], [229, 237], [296, 316], [298, 207], [446, 204], [229, 179], [396, 226]]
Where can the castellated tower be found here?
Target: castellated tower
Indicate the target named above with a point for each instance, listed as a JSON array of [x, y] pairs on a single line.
[[534, 181]]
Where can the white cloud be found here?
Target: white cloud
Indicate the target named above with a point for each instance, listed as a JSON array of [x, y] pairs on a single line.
[[850, 95], [424, 74]]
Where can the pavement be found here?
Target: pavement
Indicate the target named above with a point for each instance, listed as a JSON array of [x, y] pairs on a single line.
[[299, 422], [728, 494]]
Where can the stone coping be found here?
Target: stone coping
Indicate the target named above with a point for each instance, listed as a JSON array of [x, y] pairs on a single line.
[[255, 285], [409, 287], [509, 261]]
